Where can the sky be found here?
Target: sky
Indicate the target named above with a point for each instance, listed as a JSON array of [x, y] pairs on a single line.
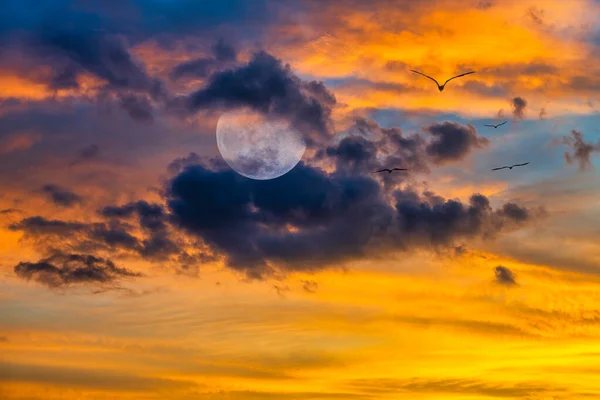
[[136, 264]]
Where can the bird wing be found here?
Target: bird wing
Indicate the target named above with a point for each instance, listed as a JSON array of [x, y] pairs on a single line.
[[520, 165], [382, 170], [399, 169], [502, 123], [496, 169], [426, 76], [489, 125], [458, 76]]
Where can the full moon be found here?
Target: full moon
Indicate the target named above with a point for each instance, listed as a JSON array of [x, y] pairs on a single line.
[[258, 146]]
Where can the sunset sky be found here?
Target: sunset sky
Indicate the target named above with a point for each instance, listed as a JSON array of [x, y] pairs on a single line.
[[136, 264]]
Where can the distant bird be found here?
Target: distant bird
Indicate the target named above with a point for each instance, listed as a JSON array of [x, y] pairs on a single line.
[[390, 170], [511, 167], [495, 126], [441, 87]]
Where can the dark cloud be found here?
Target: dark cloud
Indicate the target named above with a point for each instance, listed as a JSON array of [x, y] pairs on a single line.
[[281, 290], [308, 219], [368, 147], [536, 14], [310, 286], [61, 196], [353, 152], [585, 83], [224, 51], [519, 104], [515, 212], [3, 339], [581, 150], [268, 86], [113, 235], [37, 226], [9, 211], [198, 68], [138, 107], [497, 90], [153, 219], [504, 276], [484, 4], [86, 153], [223, 55], [83, 236], [453, 141], [515, 70], [59, 55], [67, 269], [177, 165], [101, 55]]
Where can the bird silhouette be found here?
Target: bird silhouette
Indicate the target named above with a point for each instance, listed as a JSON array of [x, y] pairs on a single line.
[[390, 170], [495, 126], [441, 87], [511, 167]]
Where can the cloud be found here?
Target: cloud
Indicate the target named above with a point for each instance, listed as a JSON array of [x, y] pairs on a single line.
[[465, 387], [111, 236], [65, 57], [61, 196], [504, 276], [514, 212], [581, 150], [153, 219], [86, 153], [87, 378], [138, 228], [310, 286], [453, 141], [514, 70], [543, 113], [101, 55], [18, 142], [366, 147], [536, 14], [309, 219], [62, 269], [223, 54], [138, 107], [267, 85], [519, 104], [9, 211]]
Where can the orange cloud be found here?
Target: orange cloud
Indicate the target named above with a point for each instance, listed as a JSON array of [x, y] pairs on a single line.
[[18, 142], [500, 42]]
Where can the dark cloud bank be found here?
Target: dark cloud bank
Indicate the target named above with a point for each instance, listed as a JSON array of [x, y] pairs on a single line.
[[70, 269], [306, 220], [61, 196]]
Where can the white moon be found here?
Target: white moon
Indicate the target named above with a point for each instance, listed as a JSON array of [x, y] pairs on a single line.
[[258, 146]]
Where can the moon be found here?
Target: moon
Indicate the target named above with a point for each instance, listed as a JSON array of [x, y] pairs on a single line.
[[258, 146]]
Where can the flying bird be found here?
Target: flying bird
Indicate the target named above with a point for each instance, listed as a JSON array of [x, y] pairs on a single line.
[[441, 87], [390, 170], [511, 167], [495, 126]]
